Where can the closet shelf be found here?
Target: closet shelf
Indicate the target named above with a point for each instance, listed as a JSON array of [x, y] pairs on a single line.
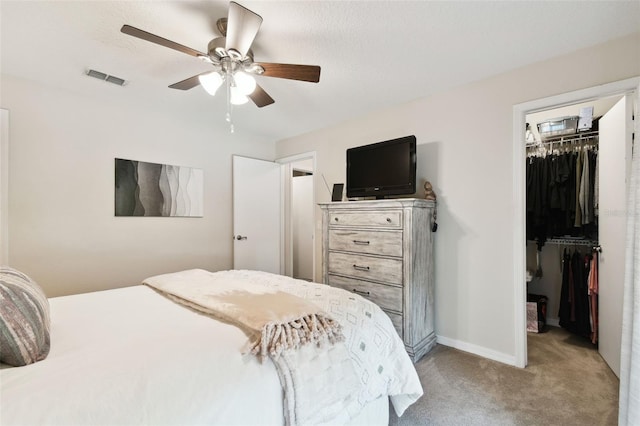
[[578, 137], [573, 241]]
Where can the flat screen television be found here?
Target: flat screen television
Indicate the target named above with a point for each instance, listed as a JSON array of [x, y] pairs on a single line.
[[382, 169]]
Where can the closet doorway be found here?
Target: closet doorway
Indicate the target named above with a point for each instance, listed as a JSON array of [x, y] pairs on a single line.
[[302, 208], [567, 227], [299, 215], [610, 238]]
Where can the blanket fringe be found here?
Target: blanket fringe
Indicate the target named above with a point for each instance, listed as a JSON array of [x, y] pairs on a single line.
[[312, 328]]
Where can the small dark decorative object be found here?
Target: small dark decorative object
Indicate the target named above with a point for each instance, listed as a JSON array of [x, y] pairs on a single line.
[[428, 192], [336, 195], [430, 195]]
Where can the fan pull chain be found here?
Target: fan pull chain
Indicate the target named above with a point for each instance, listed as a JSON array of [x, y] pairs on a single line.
[[229, 106], [231, 129]]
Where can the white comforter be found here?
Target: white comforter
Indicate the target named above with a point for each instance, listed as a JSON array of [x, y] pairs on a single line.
[[378, 354], [373, 349], [130, 356]]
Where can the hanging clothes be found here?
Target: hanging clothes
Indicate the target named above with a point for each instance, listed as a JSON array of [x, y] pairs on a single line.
[[593, 297], [560, 193], [578, 310]]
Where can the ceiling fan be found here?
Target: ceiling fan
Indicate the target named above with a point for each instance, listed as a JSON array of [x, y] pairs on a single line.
[[232, 60]]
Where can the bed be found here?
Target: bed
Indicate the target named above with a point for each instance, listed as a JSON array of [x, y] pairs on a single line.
[[134, 356]]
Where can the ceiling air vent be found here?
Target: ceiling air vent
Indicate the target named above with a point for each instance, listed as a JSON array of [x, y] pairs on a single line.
[[106, 77]]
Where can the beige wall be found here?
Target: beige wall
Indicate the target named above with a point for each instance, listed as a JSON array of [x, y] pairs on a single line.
[[62, 229], [465, 150]]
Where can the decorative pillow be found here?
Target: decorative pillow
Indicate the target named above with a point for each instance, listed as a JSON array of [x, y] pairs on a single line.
[[24, 319]]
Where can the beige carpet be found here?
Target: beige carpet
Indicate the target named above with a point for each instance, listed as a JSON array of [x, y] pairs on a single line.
[[565, 383]]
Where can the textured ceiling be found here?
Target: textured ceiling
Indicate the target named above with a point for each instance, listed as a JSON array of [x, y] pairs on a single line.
[[373, 54]]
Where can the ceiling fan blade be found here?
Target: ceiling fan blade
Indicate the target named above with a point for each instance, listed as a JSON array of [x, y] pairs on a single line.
[[309, 73], [242, 28], [260, 97], [188, 83], [136, 32]]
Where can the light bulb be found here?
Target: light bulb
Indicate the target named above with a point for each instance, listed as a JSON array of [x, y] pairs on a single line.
[[245, 83], [210, 82], [237, 98]]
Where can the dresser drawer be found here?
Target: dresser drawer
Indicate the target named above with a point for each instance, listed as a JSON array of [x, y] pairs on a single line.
[[387, 243], [367, 267], [381, 218], [385, 296]]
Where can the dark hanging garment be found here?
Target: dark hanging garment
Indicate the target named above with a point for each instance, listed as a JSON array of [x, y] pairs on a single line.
[[577, 269], [583, 309], [564, 311], [560, 178], [558, 204], [531, 196], [574, 311], [537, 196]]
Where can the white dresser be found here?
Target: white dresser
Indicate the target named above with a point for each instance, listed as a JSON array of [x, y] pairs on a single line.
[[383, 250]]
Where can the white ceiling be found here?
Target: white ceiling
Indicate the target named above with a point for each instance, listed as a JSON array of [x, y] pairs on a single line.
[[373, 54]]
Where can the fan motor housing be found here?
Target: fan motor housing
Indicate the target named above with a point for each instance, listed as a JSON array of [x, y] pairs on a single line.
[[217, 50]]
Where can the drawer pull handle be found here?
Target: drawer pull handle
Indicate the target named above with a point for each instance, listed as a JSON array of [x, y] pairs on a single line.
[[361, 242], [389, 219], [360, 268], [335, 218], [364, 293]]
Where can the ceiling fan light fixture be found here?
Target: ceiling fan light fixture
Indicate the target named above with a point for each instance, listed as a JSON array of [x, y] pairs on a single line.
[[245, 83], [210, 82], [232, 59], [237, 98]]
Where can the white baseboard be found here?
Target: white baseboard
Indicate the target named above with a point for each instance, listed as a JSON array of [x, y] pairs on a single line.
[[477, 350]]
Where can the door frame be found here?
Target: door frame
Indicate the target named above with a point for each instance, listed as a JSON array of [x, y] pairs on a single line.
[[287, 223], [622, 87]]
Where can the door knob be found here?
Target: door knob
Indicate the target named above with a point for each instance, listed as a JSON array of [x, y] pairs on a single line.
[[240, 238]]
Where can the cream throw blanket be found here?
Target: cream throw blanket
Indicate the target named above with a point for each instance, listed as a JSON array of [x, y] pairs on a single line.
[[316, 373]]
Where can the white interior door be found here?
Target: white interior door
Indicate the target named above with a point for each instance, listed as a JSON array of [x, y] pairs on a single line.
[[614, 154], [256, 214]]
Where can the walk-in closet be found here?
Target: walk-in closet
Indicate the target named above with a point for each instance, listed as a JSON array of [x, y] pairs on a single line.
[[575, 197]]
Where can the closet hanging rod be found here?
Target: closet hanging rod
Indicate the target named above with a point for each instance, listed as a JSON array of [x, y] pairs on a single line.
[[584, 142], [581, 138], [587, 137]]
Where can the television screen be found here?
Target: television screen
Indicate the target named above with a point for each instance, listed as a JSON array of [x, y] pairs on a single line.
[[382, 169]]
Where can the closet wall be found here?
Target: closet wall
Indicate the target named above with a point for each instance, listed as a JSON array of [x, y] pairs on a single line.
[[546, 266]]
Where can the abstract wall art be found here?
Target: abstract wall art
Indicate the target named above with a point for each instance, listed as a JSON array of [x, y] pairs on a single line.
[[150, 189]]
